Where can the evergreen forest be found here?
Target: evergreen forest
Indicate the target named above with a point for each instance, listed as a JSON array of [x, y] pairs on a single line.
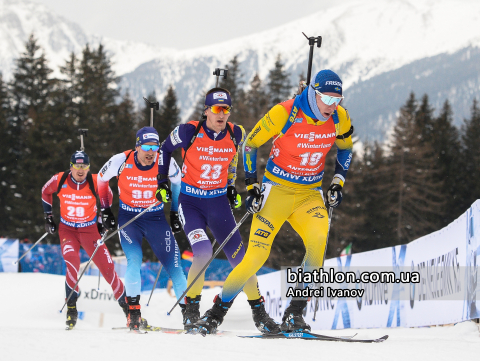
[[421, 179]]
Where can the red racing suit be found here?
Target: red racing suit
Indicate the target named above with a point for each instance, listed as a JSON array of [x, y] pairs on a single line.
[[78, 218]]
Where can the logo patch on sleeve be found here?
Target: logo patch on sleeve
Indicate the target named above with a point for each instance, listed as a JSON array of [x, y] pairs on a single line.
[[262, 233], [175, 137]]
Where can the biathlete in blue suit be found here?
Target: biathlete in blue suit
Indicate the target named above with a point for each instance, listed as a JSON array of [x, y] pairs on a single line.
[[137, 182]]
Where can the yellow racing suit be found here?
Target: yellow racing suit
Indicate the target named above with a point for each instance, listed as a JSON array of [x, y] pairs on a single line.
[[291, 187]]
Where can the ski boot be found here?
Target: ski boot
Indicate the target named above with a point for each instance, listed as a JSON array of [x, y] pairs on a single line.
[[292, 320], [123, 303], [134, 317], [190, 312], [72, 314], [213, 318], [263, 322]]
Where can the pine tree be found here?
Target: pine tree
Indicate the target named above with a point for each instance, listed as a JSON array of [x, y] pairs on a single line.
[[279, 87], [256, 101], [7, 165], [234, 82], [415, 197], [469, 171], [169, 116], [69, 85], [199, 107], [30, 92], [424, 119], [369, 226], [126, 126], [446, 146], [97, 91]]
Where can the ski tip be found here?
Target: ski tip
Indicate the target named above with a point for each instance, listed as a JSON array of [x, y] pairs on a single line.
[[383, 338]]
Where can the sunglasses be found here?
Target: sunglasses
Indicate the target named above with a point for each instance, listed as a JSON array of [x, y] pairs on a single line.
[[80, 166], [146, 147], [327, 99], [216, 109]]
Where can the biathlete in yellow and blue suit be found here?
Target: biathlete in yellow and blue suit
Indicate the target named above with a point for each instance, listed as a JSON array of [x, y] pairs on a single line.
[[303, 130]]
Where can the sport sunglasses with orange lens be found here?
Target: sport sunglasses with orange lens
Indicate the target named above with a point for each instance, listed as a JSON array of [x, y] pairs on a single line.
[[216, 109]]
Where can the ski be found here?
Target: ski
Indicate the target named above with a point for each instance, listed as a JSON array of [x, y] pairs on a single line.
[[314, 336], [155, 329], [140, 332], [68, 328], [176, 331], [202, 331]]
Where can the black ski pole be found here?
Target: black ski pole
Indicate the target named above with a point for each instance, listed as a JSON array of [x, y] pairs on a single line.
[[210, 261], [311, 42], [330, 212], [152, 105], [220, 73], [83, 133]]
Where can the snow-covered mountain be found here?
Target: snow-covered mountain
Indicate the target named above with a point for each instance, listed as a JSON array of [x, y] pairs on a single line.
[[59, 37], [362, 40]]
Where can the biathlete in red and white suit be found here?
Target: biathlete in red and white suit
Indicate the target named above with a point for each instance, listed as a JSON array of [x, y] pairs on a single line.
[[137, 182], [78, 226], [207, 195]]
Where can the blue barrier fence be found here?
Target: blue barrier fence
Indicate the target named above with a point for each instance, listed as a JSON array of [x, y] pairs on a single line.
[[48, 259]]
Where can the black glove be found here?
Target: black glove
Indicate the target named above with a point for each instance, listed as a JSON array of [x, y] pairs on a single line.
[[164, 193], [108, 219], [50, 225], [233, 197], [100, 227], [254, 199], [175, 222], [334, 195]]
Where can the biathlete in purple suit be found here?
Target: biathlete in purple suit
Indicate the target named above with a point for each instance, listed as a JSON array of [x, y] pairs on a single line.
[[207, 197]]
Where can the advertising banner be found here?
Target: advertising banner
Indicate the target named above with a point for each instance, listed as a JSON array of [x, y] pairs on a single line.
[[430, 281], [8, 254]]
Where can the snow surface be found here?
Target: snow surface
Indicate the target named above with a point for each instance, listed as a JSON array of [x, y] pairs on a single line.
[[31, 328]]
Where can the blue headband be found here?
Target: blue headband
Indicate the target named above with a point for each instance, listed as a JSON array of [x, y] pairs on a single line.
[[218, 97]]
